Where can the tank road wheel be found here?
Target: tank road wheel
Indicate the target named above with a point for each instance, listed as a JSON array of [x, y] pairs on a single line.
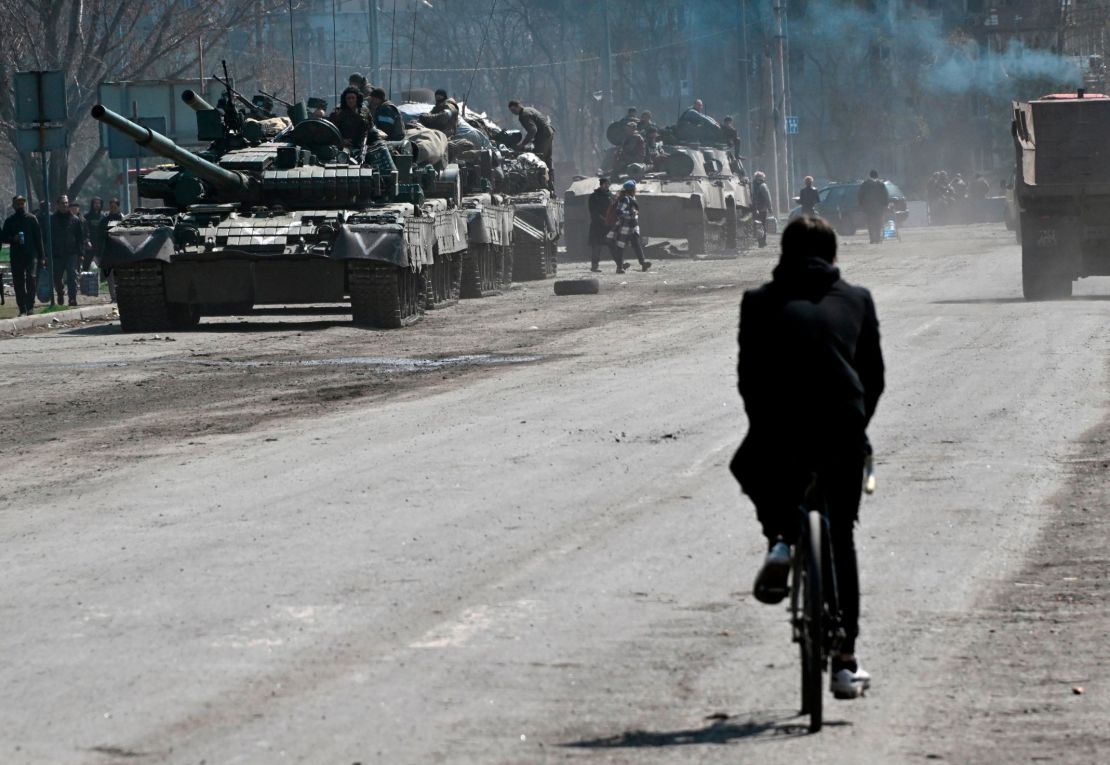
[[552, 258], [384, 295], [141, 298]]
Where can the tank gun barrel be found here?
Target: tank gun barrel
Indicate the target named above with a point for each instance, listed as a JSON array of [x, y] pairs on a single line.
[[164, 147], [195, 102]]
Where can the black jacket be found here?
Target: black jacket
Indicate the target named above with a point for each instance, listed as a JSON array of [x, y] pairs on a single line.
[[31, 247], [599, 202], [873, 196], [810, 368], [67, 236], [808, 197]]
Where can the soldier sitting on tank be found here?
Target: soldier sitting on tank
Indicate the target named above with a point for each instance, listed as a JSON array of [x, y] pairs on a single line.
[[385, 116], [631, 149], [352, 121], [444, 116], [732, 137], [359, 83], [539, 136], [645, 123], [654, 153]]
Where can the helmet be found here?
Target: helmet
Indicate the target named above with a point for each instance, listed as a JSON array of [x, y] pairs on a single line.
[[628, 185]]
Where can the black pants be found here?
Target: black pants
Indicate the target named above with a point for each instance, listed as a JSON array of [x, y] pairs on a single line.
[[875, 227], [24, 279], [67, 268], [633, 244], [841, 482]]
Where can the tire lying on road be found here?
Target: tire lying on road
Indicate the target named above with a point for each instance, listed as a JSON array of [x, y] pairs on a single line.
[[577, 287]]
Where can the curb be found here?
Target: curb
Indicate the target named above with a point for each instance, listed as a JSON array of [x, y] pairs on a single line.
[[21, 323]]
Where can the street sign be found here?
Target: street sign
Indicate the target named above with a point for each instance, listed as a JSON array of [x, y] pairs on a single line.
[[792, 126], [40, 97], [46, 138]]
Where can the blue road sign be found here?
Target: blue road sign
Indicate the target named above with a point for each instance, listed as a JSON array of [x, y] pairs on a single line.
[[792, 126]]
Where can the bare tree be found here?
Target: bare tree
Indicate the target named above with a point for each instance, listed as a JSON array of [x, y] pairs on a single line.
[[93, 41]]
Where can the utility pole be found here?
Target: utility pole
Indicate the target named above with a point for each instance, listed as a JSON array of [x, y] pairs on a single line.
[[782, 169], [372, 34], [606, 66], [771, 130]]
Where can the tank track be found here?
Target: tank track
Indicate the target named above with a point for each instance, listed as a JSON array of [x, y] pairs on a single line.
[[533, 261], [442, 281], [484, 271], [141, 301], [383, 295]]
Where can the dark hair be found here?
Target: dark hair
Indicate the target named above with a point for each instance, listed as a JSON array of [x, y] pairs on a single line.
[[874, 173], [513, 103], [378, 93], [113, 200], [441, 92], [808, 237]]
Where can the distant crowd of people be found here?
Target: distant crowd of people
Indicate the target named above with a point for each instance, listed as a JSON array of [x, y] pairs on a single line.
[[642, 141], [76, 242], [953, 199]]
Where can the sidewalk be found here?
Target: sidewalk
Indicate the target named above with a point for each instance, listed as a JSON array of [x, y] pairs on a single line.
[[24, 323]]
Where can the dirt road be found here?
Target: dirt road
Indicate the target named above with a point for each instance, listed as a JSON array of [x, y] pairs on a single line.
[[508, 534]]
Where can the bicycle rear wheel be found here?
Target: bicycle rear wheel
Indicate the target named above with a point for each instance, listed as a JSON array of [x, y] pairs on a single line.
[[812, 626]]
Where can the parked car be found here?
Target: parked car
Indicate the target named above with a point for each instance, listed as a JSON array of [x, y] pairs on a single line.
[[839, 205]]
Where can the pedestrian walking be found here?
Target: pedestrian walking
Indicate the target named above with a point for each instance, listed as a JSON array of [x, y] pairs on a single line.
[[23, 236], [66, 243], [599, 203], [761, 205], [626, 232], [92, 233], [808, 197], [873, 199]]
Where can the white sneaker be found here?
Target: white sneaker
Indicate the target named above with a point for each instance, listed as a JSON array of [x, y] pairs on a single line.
[[847, 683]]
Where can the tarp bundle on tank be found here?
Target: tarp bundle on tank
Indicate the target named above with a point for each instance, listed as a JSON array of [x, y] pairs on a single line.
[[430, 146]]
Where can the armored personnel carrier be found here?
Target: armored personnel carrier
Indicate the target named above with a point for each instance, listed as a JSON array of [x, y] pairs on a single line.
[[278, 213], [694, 201]]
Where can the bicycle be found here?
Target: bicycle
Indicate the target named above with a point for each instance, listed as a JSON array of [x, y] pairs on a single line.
[[814, 598]]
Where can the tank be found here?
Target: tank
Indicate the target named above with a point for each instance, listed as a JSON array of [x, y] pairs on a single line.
[[693, 203], [282, 215]]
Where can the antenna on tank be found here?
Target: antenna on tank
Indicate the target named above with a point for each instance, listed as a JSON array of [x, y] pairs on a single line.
[[412, 50], [481, 50], [293, 50]]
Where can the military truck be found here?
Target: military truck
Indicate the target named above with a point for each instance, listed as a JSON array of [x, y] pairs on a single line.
[[695, 203], [280, 214], [1062, 191]]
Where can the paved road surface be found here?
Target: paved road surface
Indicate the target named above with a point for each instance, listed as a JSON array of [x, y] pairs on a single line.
[[286, 541]]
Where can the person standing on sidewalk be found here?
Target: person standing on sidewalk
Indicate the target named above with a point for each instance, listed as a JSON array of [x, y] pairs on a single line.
[[626, 232], [599, 203], [67, 240], [92, 233], [23, 236]]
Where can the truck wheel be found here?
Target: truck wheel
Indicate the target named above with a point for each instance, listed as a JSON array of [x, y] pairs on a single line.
[[1039, 281], [577, 287]]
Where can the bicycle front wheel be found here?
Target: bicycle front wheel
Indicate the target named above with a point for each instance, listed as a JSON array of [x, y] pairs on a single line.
[[812, 604]]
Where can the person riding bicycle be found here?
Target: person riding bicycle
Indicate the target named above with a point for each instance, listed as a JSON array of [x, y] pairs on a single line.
[[810, 374]]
